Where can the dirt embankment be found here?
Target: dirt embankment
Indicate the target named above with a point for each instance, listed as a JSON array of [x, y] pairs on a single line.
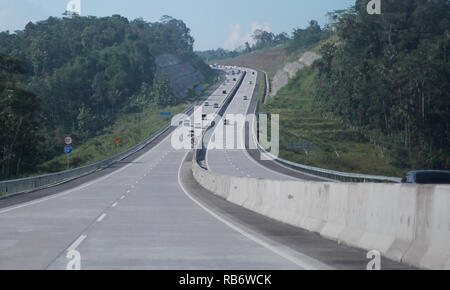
[[268, 60], [290, 69]]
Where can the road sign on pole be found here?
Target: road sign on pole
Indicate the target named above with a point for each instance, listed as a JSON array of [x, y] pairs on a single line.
[[68, 140], [117, 140], [68, 149]]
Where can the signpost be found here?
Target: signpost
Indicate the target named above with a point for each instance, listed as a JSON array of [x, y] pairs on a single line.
[[68, 150], [117, 140]]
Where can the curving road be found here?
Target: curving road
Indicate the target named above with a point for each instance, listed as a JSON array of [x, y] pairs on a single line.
[[149, 213], [242, 158], [138, 217]]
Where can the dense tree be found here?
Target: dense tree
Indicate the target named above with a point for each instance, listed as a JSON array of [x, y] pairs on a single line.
[[305, 38], [389, 76], [261, 39], [162, 90], [19, 140], [85, 71]]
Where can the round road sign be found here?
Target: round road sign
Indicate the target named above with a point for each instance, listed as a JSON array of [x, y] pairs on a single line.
[[68, 149], [68, 140]]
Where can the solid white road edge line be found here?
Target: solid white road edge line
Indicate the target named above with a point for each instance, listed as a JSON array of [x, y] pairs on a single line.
[[302, 260]]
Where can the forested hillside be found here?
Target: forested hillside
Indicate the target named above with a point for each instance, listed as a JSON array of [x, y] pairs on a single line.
[[378, 101], [19, 115], [82, 72], [262, 39], [389, 76]]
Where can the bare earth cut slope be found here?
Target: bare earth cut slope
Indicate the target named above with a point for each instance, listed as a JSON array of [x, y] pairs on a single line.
[[290, 69]]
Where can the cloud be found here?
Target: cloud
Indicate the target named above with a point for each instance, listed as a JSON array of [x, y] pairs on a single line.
[[237, 38], [234, 38]]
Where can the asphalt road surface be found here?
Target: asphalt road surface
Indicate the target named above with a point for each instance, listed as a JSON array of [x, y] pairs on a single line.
[[150, 214], [237, 154]]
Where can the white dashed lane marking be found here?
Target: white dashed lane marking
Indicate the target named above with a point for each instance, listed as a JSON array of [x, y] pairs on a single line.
[[77, 243], [101, 217]]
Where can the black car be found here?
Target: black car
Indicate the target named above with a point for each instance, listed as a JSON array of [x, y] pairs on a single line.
[[427, 177]]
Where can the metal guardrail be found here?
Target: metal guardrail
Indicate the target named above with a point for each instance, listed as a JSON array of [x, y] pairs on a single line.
[[327, 173], [331, 174], [15, 186]]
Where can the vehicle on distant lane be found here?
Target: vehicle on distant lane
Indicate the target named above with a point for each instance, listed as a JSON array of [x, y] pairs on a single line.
[[427, 177]]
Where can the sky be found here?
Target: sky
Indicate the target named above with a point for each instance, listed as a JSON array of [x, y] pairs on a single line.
[[213, 23]]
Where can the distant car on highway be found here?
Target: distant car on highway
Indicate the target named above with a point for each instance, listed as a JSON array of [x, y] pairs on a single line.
[[187, 123], [250, 82], [206, 104], [224, 92], [245, 98], [427, 177], [216, 106]]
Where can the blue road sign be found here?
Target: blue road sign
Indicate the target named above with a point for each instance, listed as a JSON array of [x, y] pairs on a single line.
[[166, 113], [68, 149]]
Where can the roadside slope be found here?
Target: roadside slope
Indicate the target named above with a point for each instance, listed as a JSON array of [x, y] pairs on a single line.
[[335, 145]]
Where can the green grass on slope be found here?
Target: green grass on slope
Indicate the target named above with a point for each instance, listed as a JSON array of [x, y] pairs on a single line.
[[131, 128], [336, 147]]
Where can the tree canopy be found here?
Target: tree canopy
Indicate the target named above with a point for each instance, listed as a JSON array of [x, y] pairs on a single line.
[[389, 75], [85, 70]]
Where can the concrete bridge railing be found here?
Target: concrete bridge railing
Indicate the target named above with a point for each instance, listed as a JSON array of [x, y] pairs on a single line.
[[407, 223]]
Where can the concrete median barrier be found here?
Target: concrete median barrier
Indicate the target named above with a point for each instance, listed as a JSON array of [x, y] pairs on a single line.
[[406, 223]]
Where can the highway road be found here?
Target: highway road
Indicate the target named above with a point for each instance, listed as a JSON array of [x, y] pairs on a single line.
[[151, 214], [138, 217], [242, 158]]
